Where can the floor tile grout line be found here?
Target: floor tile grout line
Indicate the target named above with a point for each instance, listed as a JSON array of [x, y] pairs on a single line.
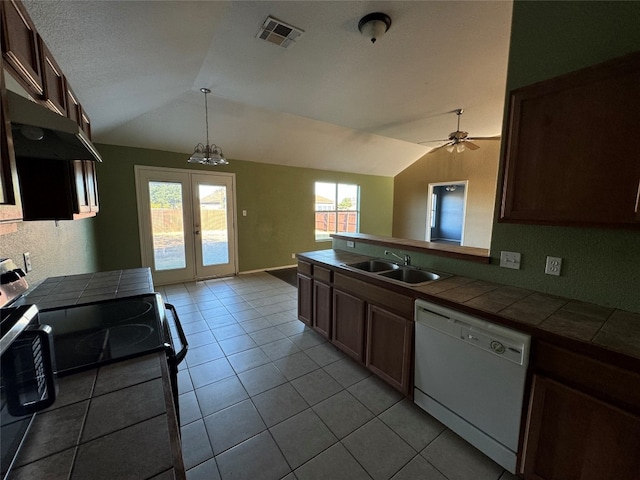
[[308, 405]]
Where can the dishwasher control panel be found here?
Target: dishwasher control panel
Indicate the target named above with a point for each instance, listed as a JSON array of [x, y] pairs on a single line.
[[495, 339]]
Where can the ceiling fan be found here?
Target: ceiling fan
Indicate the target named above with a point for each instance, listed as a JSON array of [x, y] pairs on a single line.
[[458, 141]]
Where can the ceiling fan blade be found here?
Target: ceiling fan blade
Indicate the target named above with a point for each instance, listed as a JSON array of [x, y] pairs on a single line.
[[497, 137], [470, 145], [433, 141]]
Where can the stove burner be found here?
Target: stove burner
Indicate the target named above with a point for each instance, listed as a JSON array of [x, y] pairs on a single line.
[[110, 340], [124, 311]]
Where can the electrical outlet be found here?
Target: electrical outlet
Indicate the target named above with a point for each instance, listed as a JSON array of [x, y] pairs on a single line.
[[27, 261], [244, 213], [293, 255], [553, 266], [510, 260], [351, 244]]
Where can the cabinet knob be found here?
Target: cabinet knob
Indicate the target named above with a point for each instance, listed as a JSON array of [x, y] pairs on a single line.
[[197, 232]]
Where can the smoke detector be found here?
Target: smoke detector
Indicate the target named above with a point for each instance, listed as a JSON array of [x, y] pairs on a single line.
[[278, 33]]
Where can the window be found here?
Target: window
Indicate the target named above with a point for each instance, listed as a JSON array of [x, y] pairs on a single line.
[[337, 209]]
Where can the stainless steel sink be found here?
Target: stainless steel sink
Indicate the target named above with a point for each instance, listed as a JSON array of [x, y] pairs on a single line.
[[396, 273], [374, 266], [410, 275]]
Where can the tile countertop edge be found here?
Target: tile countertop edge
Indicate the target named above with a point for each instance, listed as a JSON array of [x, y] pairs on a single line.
[[336, 259], [174, 429], [471, 254]]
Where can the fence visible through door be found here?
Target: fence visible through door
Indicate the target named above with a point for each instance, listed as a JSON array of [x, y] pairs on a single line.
[[186, 223]]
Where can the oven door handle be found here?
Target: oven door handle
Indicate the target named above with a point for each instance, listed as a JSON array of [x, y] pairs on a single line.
[[42, 352], [183, 338]]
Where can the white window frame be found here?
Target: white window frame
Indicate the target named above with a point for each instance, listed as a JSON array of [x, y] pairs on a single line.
[[335, 210]]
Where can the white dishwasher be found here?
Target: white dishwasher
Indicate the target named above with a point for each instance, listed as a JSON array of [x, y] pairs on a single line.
[[470, 375]]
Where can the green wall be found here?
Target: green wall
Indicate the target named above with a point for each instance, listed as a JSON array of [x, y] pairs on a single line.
[[279, 202], [599, 265]]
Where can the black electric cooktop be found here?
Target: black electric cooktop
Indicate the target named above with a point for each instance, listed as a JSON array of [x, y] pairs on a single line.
[[88, 335]]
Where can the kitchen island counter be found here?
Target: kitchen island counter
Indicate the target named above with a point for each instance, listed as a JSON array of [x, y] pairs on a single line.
[[607, 333], [115, 421]]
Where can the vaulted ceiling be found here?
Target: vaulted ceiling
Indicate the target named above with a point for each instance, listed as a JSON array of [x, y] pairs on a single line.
[[333, 100]]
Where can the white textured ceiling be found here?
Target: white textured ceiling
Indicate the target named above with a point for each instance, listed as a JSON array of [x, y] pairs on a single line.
[[332, 101]]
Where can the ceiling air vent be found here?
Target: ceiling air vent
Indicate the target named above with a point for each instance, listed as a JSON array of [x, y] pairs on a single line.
[[278, 32]]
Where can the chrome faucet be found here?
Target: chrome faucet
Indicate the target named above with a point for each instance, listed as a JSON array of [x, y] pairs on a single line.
[[406, 259]]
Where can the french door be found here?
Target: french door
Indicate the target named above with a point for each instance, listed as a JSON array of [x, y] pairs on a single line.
[[187, 223]]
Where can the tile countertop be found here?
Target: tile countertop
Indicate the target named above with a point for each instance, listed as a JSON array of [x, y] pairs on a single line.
[[545, 316], [116, 421], [89, 287], [101, 416]]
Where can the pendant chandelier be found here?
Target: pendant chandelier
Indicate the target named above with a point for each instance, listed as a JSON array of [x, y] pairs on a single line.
[[207, 154]]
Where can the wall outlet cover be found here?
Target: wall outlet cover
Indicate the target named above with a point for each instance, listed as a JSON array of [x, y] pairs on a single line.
[[351, 244], [553, 266], [510, 260]]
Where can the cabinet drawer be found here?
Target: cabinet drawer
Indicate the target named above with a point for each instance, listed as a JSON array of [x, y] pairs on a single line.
[[305, 268], [322, 274]]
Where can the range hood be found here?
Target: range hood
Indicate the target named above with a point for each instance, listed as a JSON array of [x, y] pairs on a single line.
[[40, 133]]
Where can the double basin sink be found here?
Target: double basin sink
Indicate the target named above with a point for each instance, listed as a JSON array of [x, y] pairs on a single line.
[[392, 271]]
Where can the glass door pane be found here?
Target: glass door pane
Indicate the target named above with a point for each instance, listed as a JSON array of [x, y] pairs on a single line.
[[213, 208], [214, 237], [167, 226]]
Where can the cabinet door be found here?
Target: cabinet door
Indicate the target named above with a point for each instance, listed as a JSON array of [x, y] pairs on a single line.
[[571, 435], [322, 308], [73, 106], [53, 82], [10, 202], [91, 182], [563, 164], [348, 324], [305, 299], [86, 186], [389, 342], [82, 192], [20, 46]]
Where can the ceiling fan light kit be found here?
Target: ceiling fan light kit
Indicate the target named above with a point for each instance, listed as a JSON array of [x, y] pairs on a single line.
[[459, 141], [207, 154], [374, 25]]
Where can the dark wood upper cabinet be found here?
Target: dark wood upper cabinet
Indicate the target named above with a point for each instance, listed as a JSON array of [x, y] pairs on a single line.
[[10, 202], [20, 45], [55, 92], [57, 189], [570, 155], [73, 107]]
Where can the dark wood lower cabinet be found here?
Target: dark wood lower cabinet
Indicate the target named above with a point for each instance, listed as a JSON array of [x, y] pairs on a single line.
[[389, 342], [305, 299], [572, 435], [348, 324], [322, 300]]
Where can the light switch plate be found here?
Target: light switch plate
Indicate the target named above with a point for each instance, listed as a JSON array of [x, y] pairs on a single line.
[[27, 262], [510, 260], [553, 266]]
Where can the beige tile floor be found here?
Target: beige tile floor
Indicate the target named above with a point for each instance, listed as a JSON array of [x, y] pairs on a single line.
[[264, 397]]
